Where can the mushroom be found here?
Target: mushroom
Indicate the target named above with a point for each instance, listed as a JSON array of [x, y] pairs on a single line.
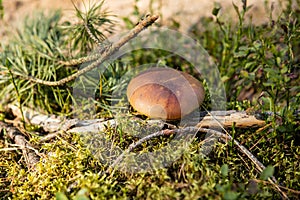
[[165, 93]]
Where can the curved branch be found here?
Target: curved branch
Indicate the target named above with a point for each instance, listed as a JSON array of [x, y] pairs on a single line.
[[106, 54]]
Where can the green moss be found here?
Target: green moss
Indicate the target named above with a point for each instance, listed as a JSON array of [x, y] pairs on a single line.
[[264, 58]]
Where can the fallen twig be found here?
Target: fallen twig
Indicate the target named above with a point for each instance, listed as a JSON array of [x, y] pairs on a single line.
[[215, 133], [223, 136], [31, 158], [138, 143], [297, 192]]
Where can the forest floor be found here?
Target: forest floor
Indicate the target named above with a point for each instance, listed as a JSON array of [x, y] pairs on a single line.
[[184, 12]]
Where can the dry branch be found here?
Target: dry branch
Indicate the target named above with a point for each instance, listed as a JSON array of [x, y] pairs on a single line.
[[214, 133], [31, 158], [104, 56]]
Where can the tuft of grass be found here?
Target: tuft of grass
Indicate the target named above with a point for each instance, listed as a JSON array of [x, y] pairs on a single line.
[[37, 51]]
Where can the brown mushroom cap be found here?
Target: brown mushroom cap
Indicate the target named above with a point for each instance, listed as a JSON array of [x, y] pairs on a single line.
[[165, 93]]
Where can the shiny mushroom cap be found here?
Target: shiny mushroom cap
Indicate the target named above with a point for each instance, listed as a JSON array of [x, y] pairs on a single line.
[[165, 93]]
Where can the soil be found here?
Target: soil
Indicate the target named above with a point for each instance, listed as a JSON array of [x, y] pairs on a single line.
[[184, 12]]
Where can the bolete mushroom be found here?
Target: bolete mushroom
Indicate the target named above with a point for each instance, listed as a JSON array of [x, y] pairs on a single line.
[[165, 93]]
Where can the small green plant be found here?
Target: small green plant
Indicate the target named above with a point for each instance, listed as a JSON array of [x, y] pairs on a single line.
[[90, 33], [256, 60], [35, 51], [38, 51]]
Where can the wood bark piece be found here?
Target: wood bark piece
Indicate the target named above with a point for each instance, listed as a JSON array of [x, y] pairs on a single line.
[[50, 123], [214, 119], [240, 119]]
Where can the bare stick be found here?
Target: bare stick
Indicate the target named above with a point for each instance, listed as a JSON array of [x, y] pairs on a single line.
[[245, 151], [106, 54], [81, 60], [131, 147], [296, 192], [31, 158], [92, 36], [138, 143], [224, 136]]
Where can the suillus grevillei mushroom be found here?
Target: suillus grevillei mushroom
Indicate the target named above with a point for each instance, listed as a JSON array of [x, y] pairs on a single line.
[[165, 93]]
